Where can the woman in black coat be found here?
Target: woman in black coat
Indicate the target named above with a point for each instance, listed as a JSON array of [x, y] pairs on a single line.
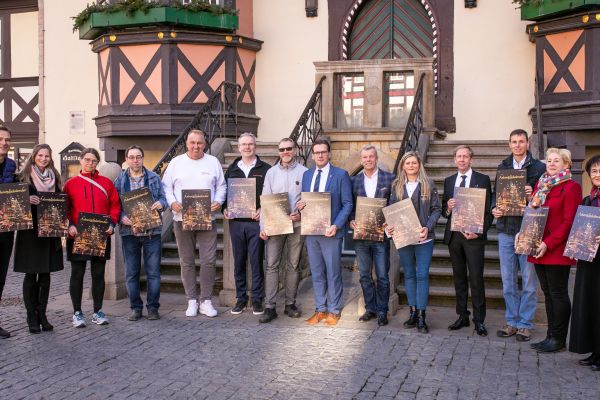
[[38, 256], [585, 318]]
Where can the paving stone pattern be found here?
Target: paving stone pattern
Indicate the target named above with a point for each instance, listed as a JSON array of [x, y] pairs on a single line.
[[235, 357]]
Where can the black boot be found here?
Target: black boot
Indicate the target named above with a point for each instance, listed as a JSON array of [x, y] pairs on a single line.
[[46, 326], [33, 322], [411, 322], [421, 324]]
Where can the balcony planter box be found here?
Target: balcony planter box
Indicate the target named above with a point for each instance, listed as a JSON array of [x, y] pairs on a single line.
[[555, 8], [99, 23]]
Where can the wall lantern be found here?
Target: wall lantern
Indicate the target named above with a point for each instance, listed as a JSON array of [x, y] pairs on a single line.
[[470, 3], [311, 7]]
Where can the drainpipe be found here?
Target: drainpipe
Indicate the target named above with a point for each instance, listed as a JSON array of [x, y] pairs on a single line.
[[42, 75]]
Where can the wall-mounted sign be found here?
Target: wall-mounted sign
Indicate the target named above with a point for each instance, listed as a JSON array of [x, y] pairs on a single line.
[[69, 160], [77, 122]]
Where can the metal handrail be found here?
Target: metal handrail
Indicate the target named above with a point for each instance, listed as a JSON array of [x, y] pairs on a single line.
[[414, 126], [212, 118], [309, 126]]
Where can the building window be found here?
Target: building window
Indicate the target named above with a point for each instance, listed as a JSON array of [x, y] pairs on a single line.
[[349, 102], [398, 97]]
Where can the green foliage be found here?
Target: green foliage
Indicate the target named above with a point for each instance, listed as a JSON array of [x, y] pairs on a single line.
[[130, 7], [522, 3]]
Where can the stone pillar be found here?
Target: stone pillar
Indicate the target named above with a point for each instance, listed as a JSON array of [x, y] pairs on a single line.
[[227, 295], [114, 275]]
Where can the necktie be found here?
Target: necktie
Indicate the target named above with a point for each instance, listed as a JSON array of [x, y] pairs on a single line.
[[317, 181], [463, 183]]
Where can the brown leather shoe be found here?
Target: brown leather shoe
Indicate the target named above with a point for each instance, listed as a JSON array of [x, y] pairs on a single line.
[[332, 319], [316, 318]]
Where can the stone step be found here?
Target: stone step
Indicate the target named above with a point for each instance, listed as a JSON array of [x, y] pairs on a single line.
[[444, 156], [444, 296]]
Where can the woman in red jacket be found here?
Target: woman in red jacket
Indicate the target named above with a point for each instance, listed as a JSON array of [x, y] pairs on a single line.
[[556, 191], [89, 192]]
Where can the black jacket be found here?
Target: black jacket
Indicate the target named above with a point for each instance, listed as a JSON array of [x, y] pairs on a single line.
[[258, 172], [535, 169], [478, 180]]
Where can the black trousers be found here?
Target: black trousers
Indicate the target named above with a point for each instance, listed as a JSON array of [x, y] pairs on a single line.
[[247, 244], [6, 246], [467, 265], [554, 281], [76, 283]]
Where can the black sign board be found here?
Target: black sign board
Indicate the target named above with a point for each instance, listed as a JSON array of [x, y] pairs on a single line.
[[69, 160]]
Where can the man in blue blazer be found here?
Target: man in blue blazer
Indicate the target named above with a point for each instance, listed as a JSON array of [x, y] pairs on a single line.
[[324, 252], [374, 183]]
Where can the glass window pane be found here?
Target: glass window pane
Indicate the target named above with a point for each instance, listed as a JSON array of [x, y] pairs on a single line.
[[348, 102], [398, 97]]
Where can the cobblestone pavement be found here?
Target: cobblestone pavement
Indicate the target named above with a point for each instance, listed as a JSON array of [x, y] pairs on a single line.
[[235, 357]]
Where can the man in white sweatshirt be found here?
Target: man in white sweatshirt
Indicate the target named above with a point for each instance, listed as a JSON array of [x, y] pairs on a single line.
[[196, 170]]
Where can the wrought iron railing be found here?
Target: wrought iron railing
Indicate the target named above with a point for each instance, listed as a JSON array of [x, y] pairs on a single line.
[[214, 118], [309, 126], [414, 126]]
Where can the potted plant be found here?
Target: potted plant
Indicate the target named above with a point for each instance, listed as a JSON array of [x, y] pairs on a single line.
[[97, 19]]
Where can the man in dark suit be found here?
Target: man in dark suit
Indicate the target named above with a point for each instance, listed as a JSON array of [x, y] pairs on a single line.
[[324, 252], [467, 248], [374, 183]]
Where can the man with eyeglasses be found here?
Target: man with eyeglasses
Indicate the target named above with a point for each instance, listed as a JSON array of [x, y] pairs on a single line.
[[324, 252], [284, 177], [245, 232], [136, 176], [7, 175], [196, 170]]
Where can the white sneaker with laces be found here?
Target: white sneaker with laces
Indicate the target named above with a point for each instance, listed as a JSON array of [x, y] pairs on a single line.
[[99, 318], [207, 308], [192, 309]]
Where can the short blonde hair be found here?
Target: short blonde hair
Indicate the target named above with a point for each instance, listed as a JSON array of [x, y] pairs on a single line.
[[563, 153]]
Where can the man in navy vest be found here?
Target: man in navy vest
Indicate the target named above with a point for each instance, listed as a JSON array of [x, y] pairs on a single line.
[[7, 175]]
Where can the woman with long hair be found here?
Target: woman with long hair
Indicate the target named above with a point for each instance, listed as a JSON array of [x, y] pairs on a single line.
[[585, 320], [36, 256], [89, 192], [557, 191], [413, 183]]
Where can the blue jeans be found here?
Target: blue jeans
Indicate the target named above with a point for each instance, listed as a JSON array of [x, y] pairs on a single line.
[[520, 310], [368, 253], [132, 253], [324, 255], [415, 260]]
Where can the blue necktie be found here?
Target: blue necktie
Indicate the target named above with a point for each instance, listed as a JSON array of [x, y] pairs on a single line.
[[317, 181]]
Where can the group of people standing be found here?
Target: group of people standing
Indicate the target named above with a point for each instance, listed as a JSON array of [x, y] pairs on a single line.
[[550, 185]]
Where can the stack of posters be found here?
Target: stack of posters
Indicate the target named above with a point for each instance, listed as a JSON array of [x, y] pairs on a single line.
[[275, 214], [469, 213], [581, 244], [52, 215], [91, 234], [316, 215], [196, 214], [532, 230], [137, 206], [241, 197], [510, 191], [403, 218], [15, 208], [369, 219]]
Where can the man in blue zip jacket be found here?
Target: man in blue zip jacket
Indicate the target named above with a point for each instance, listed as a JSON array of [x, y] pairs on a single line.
[[7, 175], [133, 243]]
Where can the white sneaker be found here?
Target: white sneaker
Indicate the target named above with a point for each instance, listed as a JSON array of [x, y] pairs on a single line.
[[192, 309], [78, 320], [99, 318], [207, 309]]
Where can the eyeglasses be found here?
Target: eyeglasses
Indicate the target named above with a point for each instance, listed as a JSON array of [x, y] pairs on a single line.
[[90, 161], [282, 149], [320, 153], [134, 157]]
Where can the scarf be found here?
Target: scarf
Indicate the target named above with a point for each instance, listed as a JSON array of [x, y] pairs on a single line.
[[545, 184], [43, 182]]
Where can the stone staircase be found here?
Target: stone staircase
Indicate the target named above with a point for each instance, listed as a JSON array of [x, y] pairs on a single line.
[[170, 269], [439, 165]]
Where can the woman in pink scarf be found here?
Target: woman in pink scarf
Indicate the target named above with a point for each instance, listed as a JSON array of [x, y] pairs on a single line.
[[38, 256]]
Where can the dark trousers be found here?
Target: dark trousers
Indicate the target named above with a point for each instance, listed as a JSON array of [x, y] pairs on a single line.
[[247, 244], [6, 245], [467, 265], [76, 283], [554, 281], [36, 290]]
